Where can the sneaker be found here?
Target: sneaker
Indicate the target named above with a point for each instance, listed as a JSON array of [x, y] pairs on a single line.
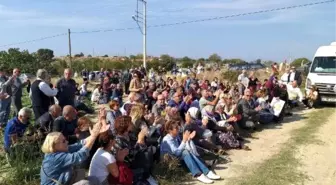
[[204, 179], [152, 181], [211, 175]]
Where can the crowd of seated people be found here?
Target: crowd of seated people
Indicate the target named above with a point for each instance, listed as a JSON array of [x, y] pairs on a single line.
[[175, 118]]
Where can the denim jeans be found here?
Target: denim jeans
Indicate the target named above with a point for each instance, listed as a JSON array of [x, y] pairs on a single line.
[[194, 164], [5, 106]]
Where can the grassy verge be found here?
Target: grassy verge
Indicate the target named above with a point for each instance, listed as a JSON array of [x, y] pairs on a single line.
[[282, 169]]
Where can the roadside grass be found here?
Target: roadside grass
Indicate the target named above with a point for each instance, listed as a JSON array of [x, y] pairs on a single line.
[[24, 169], [283, 168]]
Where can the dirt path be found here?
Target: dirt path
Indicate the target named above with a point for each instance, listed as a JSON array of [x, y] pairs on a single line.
[[318, 160], [269, 143]]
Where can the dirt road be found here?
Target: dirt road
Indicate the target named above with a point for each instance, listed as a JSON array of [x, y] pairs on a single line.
[[318, 160], [269, 143]]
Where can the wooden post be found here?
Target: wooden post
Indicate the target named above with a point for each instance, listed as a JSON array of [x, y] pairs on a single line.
[[69, 38]]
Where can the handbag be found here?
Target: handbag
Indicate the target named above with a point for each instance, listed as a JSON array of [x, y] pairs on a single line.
[[125, 175]]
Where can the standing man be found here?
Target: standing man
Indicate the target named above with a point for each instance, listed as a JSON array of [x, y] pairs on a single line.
[[66, 89], [242, 82], [17, 91], [295, 76], [41, 93], [127, 77], [5, 103]]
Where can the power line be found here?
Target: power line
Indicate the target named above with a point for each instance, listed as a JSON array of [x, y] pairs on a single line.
[[179, 23], [34, 40], [215, 18]]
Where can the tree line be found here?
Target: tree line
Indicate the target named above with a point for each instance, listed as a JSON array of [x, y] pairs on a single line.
[[44, 58]]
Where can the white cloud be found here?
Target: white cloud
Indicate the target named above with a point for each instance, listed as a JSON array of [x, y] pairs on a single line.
[[60, 21], [242, 4], [38, 18], [7, 13], [206, 9]]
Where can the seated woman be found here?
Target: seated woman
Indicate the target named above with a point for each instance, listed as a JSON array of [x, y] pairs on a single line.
[[140, 157], [83, 91], [138, 118], [113, 113], [83, 131], [266, 115], [174, 146], [230, 107], [96, 94], [60, 159], [117, 94], [224, 134], [203, 137], [104, 163]]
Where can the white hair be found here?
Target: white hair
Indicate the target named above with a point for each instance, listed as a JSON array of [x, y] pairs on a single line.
[[25, 111], [42, 74]]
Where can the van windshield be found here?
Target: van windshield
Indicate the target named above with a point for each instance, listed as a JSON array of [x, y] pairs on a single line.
[[324, 65]]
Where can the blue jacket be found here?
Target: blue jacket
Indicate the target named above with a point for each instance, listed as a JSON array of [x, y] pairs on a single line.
[[182, 107], [58, 166], [14, 126], [172, 146]]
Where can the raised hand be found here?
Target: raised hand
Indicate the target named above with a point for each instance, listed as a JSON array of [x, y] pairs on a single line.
[[186, 136], [192, 135], [96, 129]]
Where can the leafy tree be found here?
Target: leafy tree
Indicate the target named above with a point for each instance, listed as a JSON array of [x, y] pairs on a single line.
[[45, 55], [105, 56], [187, 62], [165, 61], [89, 56], [132, 57], [300, 61], [14, 58], [215, 58], [201, 60], [139, 56], [186, 59], [79, 55], [268, 63], [258, 61]]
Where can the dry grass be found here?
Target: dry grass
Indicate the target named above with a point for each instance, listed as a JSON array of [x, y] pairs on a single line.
[[170, 171]]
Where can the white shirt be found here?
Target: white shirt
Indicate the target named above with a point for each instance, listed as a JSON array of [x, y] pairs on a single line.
[[45, 88], [98, 166], [213, 84], [83, 88], [284, 78], [294, 93], [243, 79], [291, 77], [95, 95]]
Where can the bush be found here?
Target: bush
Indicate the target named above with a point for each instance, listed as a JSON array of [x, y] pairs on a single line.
[[230, 75], [166, 171]]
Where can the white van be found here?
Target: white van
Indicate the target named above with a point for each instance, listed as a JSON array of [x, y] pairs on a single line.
[[322, 73]]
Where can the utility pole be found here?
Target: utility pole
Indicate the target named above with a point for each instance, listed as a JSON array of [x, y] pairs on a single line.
[[69, 38], [143, 29]]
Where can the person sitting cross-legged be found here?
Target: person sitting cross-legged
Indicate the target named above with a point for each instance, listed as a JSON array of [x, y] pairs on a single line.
[[294, 94]]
